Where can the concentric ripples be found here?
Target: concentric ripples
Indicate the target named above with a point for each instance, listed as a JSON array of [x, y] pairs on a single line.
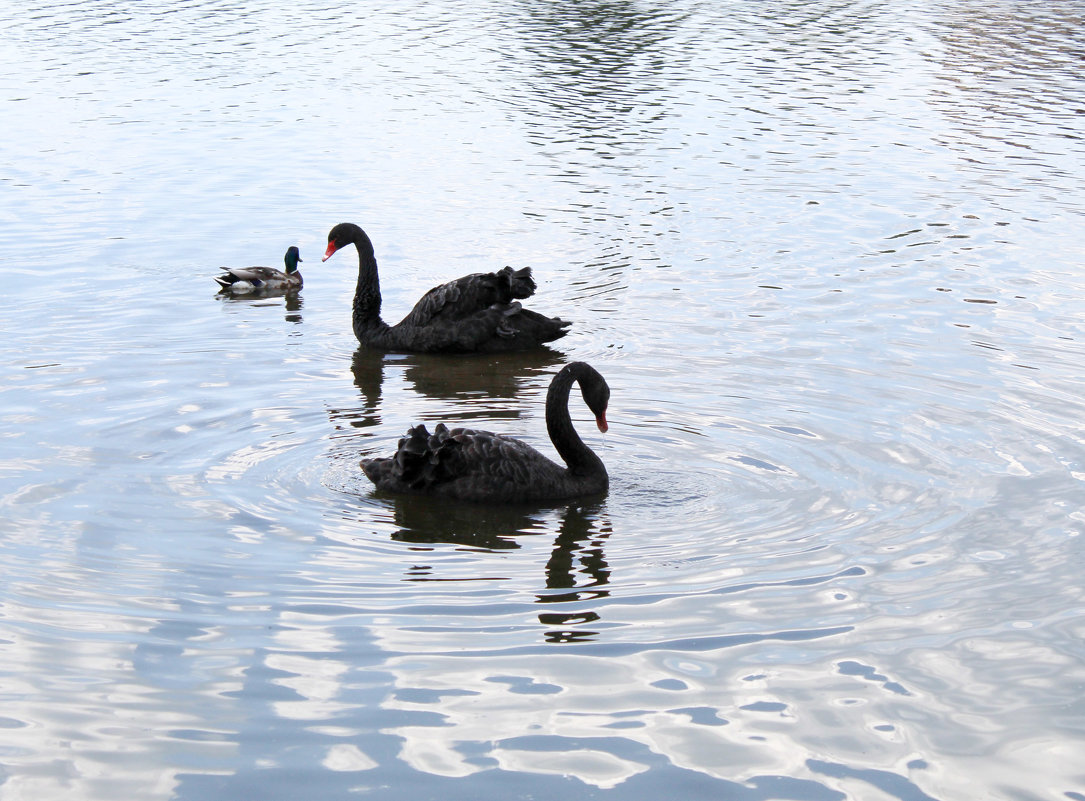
[[827, 256]]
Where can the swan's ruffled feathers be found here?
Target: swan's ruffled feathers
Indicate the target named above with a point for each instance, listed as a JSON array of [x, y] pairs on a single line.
[[478, 313], [476, 461], [471, 294]]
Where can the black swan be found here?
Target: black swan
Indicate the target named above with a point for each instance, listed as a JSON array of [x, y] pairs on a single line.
[[478, 313], [263, 279], [491, 468]]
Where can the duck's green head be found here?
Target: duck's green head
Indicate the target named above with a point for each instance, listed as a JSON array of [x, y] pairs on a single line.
[[291, 259]]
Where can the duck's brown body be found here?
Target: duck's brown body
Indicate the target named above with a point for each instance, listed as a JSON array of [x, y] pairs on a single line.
[[263, 280]]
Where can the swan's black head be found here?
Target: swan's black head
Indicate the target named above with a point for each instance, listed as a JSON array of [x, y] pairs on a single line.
[[291, 259], [342, 235], [595, 391]]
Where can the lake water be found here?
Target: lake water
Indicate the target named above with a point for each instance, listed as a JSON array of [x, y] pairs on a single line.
[[828, 256]]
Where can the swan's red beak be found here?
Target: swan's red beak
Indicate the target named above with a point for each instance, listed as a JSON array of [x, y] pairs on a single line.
[[332, 247], [601, 421]]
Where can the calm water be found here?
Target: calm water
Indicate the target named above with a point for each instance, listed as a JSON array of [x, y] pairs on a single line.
[[829, 257]]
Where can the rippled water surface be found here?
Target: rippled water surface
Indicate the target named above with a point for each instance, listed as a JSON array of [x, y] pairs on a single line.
[[827, 254]]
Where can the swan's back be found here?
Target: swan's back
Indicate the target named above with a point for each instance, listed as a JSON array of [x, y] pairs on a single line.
[[477, 313], [471, 294], [481, 466], [469, 465]]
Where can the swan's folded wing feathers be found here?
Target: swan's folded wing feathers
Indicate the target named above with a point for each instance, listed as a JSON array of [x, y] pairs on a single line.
[[467, 454], [472, 294], [432, 304]]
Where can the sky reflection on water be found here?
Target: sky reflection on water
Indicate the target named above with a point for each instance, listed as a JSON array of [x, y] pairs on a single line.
[[827, 256]]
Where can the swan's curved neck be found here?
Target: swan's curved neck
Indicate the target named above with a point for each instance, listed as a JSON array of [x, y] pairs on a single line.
[[367, 293], [559, 425]]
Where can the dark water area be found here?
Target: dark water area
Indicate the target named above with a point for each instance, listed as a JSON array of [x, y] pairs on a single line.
[[828, 257]]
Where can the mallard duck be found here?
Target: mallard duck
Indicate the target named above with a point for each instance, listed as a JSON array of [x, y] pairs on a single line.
[[479, 313], [246, 280]]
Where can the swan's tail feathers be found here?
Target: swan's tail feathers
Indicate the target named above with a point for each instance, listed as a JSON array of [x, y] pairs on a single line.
[[541, 327], [376, 470], [520, 282]]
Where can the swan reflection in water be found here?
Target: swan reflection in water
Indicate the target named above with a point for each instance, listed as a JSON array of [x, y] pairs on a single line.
[[469, 380], [576, 571]]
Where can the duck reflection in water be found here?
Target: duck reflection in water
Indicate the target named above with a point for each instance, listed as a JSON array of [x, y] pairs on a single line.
[[576, 571], [291, 303]]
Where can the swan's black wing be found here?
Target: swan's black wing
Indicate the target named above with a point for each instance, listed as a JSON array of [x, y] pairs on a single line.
[[477, 313], [463, 463], [467, 296]]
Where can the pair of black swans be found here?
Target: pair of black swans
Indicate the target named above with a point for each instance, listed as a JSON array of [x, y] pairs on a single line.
[[478, 313]]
